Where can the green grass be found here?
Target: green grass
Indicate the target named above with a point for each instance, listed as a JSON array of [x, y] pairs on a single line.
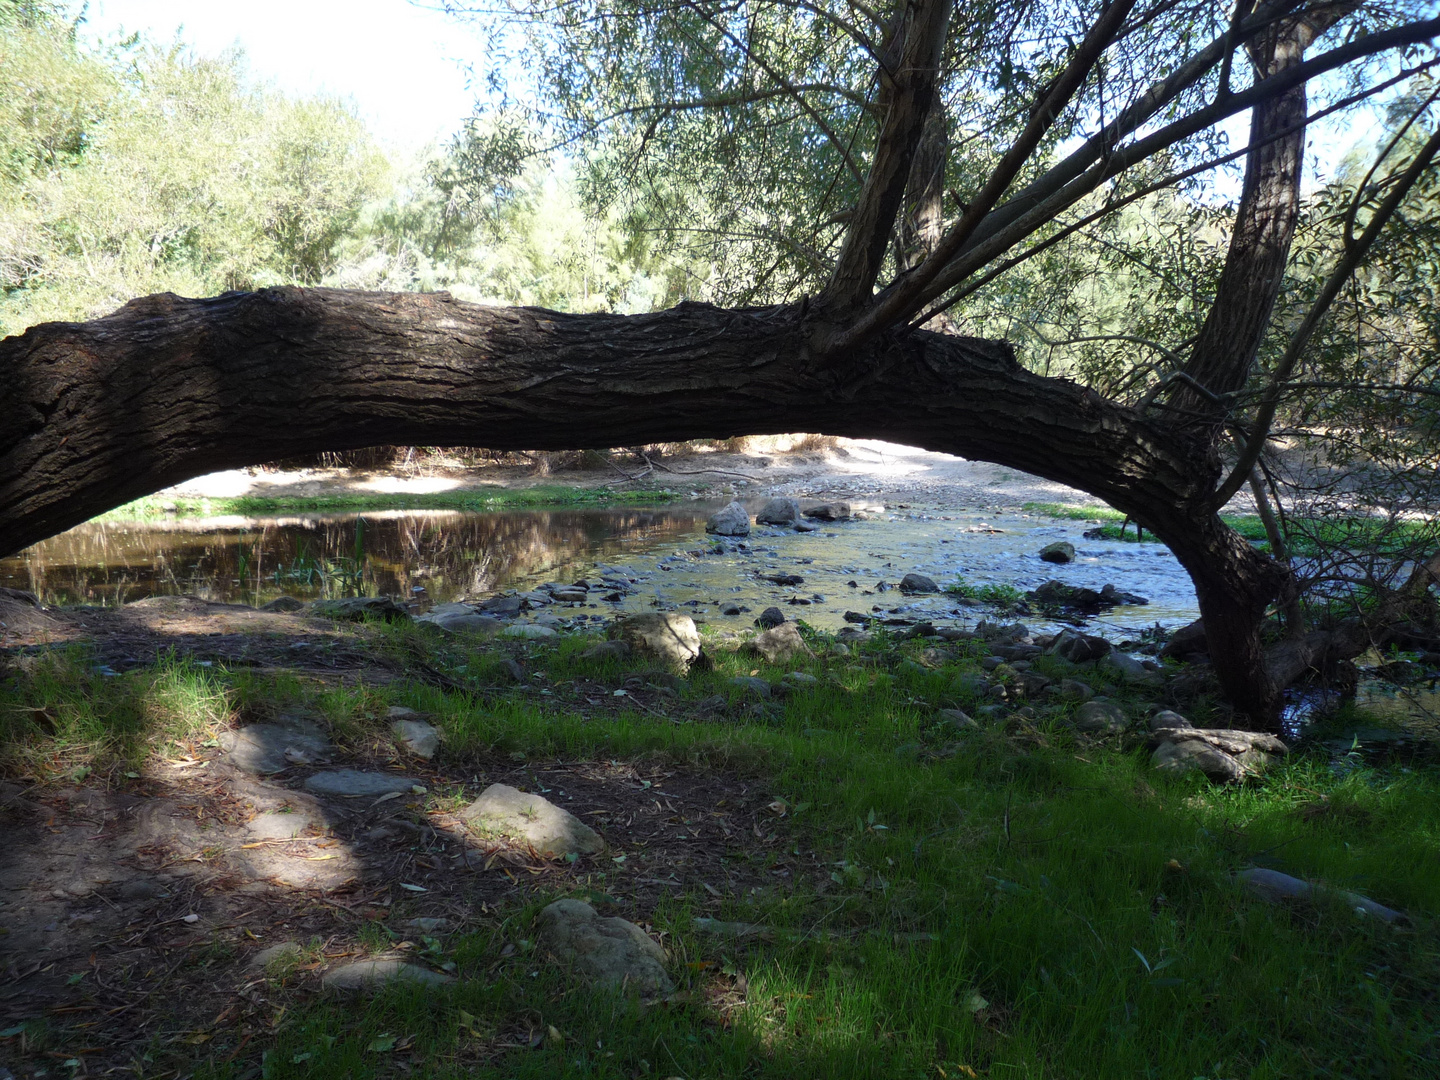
[[1084, 899], [1247, 525], [157, 506], [986, 594], [1307, 536]]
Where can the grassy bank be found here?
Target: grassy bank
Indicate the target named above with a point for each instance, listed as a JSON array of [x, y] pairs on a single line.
[[1306, 536], [1016, 901], [162, 506]]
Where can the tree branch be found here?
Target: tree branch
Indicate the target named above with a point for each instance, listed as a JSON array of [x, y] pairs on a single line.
[[907, 89], [1265, 416]]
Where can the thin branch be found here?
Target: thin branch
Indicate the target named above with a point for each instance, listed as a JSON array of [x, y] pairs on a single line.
[[902, 299], [1022, 228], [1255, 440]]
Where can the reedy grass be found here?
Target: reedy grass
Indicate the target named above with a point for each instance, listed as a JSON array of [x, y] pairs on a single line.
[[1085, 899]]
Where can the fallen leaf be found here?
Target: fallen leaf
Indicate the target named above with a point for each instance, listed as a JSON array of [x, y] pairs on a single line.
[[413, 888], [382, 1045]]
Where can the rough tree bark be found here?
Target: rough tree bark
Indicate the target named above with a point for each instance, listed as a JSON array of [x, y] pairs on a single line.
[[168, 388], [98, 413]]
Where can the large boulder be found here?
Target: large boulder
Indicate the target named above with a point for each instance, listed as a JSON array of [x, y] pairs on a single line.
[[1079, 648], [531, 820], [731, 520], [604, 952], [665, 635], [1188, 642], [780, 644], [1057, 595], [918, 583], [1101, 716], [459, 618], [830, 511], [356, 608], [1225, 756], [1059, 552], [779, 512]]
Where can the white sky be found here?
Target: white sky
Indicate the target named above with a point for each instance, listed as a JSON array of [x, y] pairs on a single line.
[[400, 64], [403, 65]]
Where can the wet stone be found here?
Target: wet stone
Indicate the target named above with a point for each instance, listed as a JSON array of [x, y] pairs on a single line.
[[779, 511], [918, 583], [831, 511], [1059, 552], [732, 520], [502, 606]]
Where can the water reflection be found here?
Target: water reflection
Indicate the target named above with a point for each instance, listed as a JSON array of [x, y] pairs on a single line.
[[663, 552], [253, 560]]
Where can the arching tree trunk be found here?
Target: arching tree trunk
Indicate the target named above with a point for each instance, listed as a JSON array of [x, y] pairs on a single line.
[[167, 388]]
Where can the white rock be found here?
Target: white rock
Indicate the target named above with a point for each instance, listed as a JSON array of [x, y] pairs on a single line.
[[668, 636], [371, 975], [531, 820], [416, 736], [529, 631]]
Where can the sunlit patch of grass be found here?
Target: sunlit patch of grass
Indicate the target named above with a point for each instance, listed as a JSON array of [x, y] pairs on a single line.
[[161, 506], [65, 719]]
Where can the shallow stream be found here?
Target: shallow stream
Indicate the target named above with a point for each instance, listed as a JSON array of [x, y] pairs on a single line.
[[433, 557]]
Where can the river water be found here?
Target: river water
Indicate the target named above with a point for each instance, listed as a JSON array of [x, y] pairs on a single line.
[[433, 557]]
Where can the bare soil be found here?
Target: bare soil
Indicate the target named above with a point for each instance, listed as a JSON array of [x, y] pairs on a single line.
[[137, 914], [814, 467]]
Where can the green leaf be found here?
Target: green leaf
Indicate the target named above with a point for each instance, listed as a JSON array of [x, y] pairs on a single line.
[[382, 1045]]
